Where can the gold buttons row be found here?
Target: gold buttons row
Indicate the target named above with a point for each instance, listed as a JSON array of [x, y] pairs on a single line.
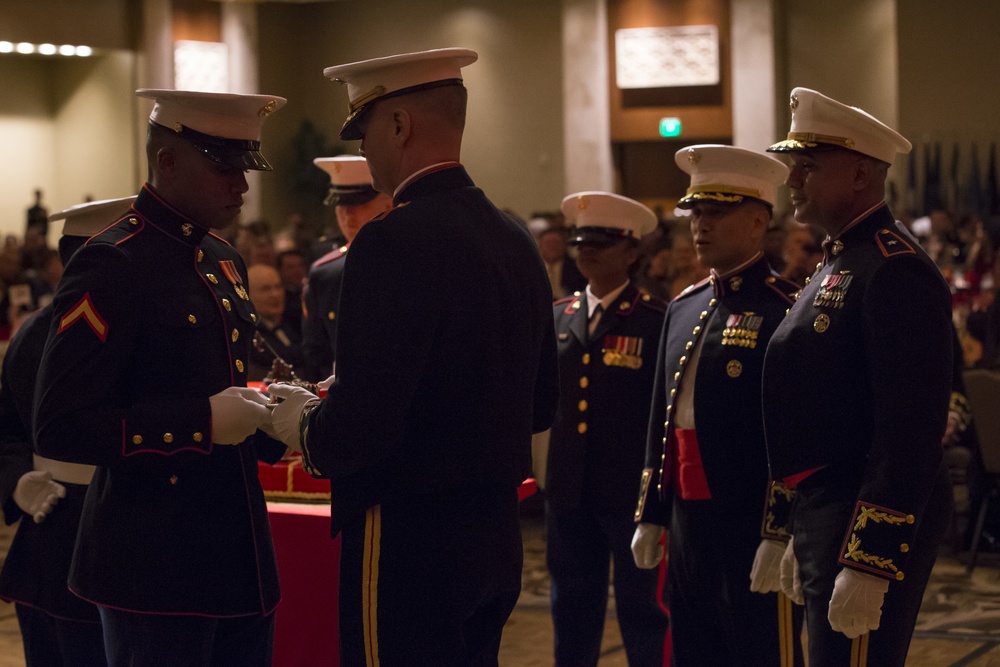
[[168, 438]]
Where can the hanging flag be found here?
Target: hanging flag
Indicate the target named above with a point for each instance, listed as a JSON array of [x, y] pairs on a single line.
[[973, 200]]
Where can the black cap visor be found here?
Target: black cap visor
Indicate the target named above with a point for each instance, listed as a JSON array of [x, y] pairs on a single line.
[[350, 196], [240, 154], [603, 237]]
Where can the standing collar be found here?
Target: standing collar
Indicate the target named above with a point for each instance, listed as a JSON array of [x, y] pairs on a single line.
[[756, 268], [431, 178], [158, 213], [605, 301]]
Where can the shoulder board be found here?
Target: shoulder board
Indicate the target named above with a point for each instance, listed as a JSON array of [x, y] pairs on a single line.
[[385, 213], [123, 229], [573, 303], [785, 288], [692, 289], [336, 253], [651, 302], [892, 244]]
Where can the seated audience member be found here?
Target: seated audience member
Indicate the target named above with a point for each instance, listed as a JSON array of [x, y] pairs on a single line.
[[292, 268], [686, 269], [564, 277], [278, 337], [802, 251]]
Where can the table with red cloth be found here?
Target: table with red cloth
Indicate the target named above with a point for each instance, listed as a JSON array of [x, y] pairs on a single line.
[[305, 632]]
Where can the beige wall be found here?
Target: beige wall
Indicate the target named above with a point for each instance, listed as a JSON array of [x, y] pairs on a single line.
[[513, 144], [64, 125]]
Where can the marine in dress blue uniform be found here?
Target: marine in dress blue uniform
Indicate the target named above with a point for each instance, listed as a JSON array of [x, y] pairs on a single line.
[[141, 377], [607, 353], [857, 381], [705, 479], [57, 627], [445, 366], [355, 202]]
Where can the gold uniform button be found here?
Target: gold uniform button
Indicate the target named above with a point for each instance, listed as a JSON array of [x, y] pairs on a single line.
[[771, 280], [677, 376], [133, 221], [582, 405], [192, 319], [664, 442], [682, 360], [173, 479], [688, 345], [236, 335], [331, 315], [225, 304], [584, 382], [899, 576], [673, 392], [581, 427], [696, 331], [239, 365], [168, 438], [904, 547], [201, 255], [212, 279], [713, 302], [910, 518], [136, 439], [253, 316], [586, 358], [197, 437], [822, 323], [703, 315]]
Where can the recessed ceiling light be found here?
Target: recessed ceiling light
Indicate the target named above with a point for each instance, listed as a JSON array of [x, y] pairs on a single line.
[[25, 47]]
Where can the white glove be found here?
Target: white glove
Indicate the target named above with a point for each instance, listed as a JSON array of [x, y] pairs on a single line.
[[325, 384], [856, 603], [37, 494], [237, 413], [788, 575], [287, 414], [764, 574], [646, 548]]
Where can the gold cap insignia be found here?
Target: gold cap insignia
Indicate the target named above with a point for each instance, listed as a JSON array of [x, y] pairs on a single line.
[[693, 156], [266, 110], [581, 203], [793, 103], [186, 229]]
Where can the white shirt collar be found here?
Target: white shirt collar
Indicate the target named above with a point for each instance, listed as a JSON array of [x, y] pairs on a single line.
[[608, 299]]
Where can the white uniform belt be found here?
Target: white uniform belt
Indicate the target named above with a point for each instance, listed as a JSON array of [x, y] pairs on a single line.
[[71, 473]]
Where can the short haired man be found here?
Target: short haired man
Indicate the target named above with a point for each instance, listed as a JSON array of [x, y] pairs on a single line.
[[857, 381], [606, 338], [276, 335], [706, 477], [445, 366], [355, 202], [144, 375], [57, 627]]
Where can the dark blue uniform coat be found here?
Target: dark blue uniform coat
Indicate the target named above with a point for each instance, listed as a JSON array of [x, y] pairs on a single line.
[[321, 303], [715, 617], [856, 386], [595, 455], [445, 366], [152, 318]]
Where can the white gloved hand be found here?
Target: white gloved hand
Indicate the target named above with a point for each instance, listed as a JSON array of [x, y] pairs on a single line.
[[647, 552], [286, 416], [788, 575], [325, 384], [856, 603], [37, 494], [237, 413], [764, 574]]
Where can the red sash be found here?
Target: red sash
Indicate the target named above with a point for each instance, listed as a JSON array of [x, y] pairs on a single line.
[[689, 478]]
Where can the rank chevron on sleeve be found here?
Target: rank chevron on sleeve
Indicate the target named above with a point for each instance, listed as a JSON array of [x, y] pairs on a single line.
[[84, 309]]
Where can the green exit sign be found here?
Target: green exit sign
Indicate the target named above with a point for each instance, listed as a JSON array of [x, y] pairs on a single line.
[[670, 127]]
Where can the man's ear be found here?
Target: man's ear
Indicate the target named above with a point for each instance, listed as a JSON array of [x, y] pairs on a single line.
[[402, 125], [166, 161], [864, 172]]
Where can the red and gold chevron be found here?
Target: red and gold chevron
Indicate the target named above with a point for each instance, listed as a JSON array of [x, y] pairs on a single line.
[[84, 309]]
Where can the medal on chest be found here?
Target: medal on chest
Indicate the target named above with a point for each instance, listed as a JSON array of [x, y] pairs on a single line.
[[624, 351], [832, 291], [742, 330]]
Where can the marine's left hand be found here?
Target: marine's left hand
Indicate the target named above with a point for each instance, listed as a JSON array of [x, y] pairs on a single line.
[[286, 415], [856, 603]]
